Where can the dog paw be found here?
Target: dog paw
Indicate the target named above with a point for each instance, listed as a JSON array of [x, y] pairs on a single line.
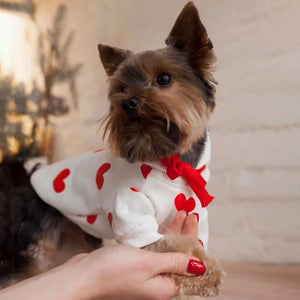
[[204, 285]]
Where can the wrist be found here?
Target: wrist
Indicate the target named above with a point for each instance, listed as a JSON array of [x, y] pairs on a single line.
[[86, 288]]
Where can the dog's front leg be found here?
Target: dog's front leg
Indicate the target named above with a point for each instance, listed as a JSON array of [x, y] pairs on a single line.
[[204, 285]]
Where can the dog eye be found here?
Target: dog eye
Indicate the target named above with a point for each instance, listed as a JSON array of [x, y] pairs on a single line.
[[164, 79]]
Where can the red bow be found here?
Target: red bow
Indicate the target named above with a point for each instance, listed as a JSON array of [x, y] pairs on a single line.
[[175, 168]]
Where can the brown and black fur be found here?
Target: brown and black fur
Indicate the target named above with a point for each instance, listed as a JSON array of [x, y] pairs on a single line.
[[23, 216], [33, 235], [168, 119], [147, 121]]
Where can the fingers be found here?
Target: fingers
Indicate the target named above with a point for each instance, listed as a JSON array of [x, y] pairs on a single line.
[[162, 286], [182, 223], [177, 224], [190, 226], [179, 263]]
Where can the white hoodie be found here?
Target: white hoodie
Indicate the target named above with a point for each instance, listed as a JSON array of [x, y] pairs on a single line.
[[110, 198]]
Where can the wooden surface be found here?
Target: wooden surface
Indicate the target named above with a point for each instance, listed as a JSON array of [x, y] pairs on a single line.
[[246, 281]]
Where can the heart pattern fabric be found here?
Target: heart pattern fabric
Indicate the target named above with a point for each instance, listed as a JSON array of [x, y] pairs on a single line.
[[109, 197], [110, 218], [58, 182], [91, 219], [145, 169], [181, 203], [100, 175], [59, 186]]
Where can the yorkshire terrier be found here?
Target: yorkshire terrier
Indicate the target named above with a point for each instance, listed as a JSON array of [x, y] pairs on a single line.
[[159, 148]]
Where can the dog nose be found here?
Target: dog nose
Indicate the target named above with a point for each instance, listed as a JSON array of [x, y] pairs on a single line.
[[130, 104]]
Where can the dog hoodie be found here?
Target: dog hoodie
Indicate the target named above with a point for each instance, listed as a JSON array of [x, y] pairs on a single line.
[[131, 202]]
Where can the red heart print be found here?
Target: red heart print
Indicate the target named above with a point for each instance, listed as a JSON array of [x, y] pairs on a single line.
[[99, 176], [110, 218], [146, 169], [58, 182], [134, 189], [181, 203], [91, 219]]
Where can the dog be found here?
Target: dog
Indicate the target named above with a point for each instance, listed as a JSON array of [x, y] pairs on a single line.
[[159, 148]]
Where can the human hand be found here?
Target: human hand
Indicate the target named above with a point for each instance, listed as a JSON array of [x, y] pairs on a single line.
[[182, 236], [131, 273], [143, 269], [184, 224], [113, 273], [135, 273]]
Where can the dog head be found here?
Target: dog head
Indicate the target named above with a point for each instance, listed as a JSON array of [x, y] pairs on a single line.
[[160, 100]]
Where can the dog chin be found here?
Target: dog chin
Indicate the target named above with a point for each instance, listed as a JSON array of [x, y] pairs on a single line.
[[149, 141]]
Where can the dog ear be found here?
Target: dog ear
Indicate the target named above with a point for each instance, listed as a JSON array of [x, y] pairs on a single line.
[[189, 36], [112, 57], [188, 33]]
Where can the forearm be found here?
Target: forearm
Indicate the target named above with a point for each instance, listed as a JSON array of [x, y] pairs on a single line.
[[111, 273], [58, 284]]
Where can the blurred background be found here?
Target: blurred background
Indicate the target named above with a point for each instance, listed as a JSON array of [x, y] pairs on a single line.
[[53, 93]]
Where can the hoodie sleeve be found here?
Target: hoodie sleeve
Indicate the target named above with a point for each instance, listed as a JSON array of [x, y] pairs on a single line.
[[134, 221]]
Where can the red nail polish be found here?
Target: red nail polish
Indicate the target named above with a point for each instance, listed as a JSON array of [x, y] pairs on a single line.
[[197, 215], [196, 267], [201, 243]]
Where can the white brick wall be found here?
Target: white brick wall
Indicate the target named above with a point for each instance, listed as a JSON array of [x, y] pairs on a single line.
[[255, 128], [255, 131]]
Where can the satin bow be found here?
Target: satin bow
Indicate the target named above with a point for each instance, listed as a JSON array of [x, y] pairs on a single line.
[[175, 168]]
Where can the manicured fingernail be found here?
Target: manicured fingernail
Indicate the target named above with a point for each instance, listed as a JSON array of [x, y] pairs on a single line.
[[196, 267], [201, 242], [197, 215]]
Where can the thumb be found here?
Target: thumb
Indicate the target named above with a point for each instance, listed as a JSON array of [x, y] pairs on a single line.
[[179, 263]]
